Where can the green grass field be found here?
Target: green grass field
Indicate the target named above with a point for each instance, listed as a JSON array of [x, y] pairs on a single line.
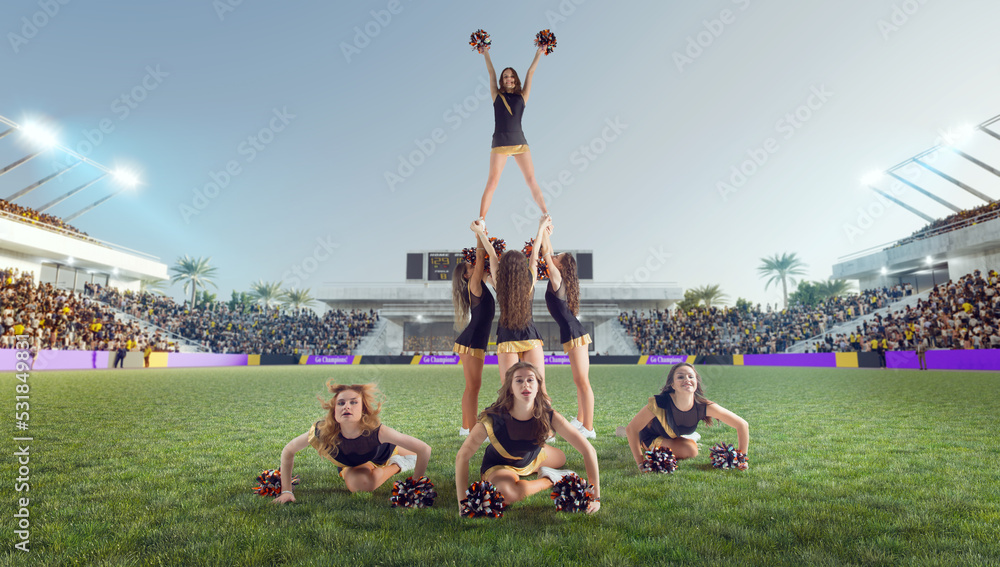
[[848, 467]]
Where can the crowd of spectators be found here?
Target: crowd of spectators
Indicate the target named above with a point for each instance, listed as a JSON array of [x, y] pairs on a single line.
[[29, 215], [245, 328], [55, 319], [429, 344], [963, 314], [956, 221], [752, 330]]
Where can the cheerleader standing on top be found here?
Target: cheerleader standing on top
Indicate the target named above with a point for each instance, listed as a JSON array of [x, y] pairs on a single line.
[[514, 280], [517, 425], [469, 294], [353, 438], [562, 297], [509, 100]]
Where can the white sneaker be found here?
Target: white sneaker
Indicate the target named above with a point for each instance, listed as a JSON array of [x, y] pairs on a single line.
[[554, 475], [463, 432], [694, 436], [405, 462], [588, 433], [576, 423], [551, 439]]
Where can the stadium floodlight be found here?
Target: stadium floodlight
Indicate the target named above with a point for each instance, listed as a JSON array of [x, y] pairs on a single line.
[[930, 261], [885, 270], [39, 136], [872, 177], [126, 178], [70, 260]]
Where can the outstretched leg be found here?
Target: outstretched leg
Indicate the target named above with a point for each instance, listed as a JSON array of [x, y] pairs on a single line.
[[472, 367], [579, 361], [528, 169], [497, 161]]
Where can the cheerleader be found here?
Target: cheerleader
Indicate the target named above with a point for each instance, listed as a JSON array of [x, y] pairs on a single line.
[[509, 100], [514, 279], [671, 417], [517, 425], [468, 294], [351, 437], [562, 297]]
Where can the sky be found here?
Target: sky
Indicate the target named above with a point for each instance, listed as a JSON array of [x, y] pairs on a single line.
[[318, 142]]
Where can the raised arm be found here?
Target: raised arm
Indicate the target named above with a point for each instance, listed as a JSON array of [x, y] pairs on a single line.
[[555, 276], [389, 435], [732, 420], [494, 261], [526, 87], [476, 437], [493, 74], [476, 278], [632, 432], [543, 223], [573, 436], [287, 463]]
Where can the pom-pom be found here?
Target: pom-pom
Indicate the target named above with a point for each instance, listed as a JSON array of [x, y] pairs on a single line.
[[543, 266], [413, 493], [572, 494], [727, 457], [546, 39], [499, 246], [480, 41], [660, 459], [483, 500], [269, 482]]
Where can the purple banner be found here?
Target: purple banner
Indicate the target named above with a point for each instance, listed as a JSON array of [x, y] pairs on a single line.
[[439, 359], [72, 360], [330, 359], [902, 359], [199, 359], [814, 360], [661, 359], [491, 359], [556, 359], [987, 359]]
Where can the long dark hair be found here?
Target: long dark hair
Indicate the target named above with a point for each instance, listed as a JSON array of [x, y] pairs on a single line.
[[699, 393], [540, 411], [514, 280], [571, 283]]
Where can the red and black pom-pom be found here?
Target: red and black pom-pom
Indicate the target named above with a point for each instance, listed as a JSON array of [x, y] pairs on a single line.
[[543, 266], [572, 494], [546, 39], [660, 459], [480, 40], [727, 457], [499, 246], [413, 493], [483, 500], [269, 482]]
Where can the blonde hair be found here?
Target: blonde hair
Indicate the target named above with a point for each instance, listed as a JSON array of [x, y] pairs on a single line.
[[329, 430]]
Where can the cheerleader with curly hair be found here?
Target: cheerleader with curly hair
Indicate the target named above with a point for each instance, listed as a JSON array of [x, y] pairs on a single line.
[[562, 297], [509, 100], [514, 279], [517, 426], [353, 438]]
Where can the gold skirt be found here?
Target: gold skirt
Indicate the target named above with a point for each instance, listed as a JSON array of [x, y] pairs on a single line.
[[510, 150]]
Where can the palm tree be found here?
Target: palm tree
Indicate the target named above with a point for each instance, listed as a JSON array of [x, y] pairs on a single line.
[[834, 288], [152, 286], [194, 272], [779, 268], [266, 292], [296, 298], [711, 294]]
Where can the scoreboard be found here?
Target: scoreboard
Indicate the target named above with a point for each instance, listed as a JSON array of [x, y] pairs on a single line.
[[441, 265], [438, 266]]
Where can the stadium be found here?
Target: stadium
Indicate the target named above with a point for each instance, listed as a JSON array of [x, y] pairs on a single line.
[[846, 313]]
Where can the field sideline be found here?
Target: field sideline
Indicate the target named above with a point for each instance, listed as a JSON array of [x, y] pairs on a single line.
[[848, 467]]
